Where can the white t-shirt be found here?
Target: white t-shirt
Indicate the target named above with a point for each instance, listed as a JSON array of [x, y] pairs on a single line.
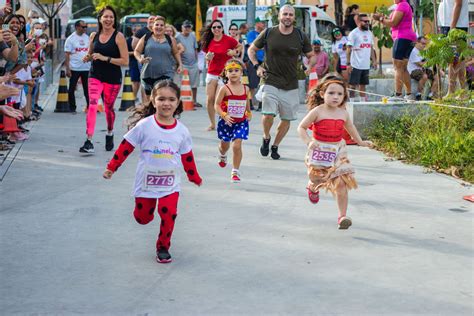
[[415, 57], [22, 75], [78, 46], [361, 43], [159, 165], [445, 13], [339, 48]]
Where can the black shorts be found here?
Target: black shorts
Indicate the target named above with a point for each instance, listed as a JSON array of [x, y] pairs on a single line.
[[445, 29], [149, 83], [359, 76], [402, 48]]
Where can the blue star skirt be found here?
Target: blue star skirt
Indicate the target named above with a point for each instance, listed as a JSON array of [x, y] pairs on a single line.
[[228, 133]]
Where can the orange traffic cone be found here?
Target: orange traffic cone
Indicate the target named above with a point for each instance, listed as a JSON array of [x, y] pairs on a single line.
[[313, 79], [186, 93], [10, 124]]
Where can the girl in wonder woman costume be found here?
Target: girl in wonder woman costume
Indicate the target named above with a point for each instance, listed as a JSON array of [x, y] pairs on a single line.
[[327, 161], [165, 146]]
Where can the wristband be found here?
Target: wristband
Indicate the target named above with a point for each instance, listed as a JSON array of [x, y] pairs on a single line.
[[109, 59], [223, 114], [248, 114]]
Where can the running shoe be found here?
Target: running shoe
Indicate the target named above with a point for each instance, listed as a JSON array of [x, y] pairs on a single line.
[[222, 161], [265, 148], [275, 155], [344, 222], [409, 97], [109, 142], [418, 97], [313, 196], [163, 256], [88, 148], [235, 176]]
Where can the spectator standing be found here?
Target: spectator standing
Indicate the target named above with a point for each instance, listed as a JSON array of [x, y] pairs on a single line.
[[32, 16], [76, 48], [133, 69], [454, 14], [338, 49], [404, 40], [235, 34], [189, 56], [254, 80], [243, 30], [148, 29], [320, 59], [283, 46], [219, 48], [351, 18], [360, 51], [418, 72]]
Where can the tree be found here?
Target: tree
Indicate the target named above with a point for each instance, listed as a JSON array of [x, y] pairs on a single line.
[[383, 35], [83, 7], [175, 11]]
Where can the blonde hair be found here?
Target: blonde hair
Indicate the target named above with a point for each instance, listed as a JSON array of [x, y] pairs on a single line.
[[173, 29]]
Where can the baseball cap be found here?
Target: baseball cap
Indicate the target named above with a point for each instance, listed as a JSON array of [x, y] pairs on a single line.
[[187, 23], [336, 30], [316, 42]]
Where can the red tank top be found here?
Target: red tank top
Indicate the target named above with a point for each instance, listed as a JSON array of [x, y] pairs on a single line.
[[328, 130], [225, 102]]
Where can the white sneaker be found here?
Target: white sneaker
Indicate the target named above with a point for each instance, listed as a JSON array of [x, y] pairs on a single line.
[[409, 97], [395, 98]]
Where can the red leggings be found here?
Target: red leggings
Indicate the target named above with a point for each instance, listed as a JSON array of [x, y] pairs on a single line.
[[167, 208]]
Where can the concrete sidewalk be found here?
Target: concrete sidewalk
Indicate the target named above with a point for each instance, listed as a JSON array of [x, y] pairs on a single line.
[[69, 243]]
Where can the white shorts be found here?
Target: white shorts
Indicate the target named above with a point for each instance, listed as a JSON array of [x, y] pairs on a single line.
[[210, 77]]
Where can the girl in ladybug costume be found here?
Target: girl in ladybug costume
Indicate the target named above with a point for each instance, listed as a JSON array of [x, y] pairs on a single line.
[[165, 147]]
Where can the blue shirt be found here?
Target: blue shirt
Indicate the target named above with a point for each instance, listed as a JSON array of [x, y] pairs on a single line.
[[251, 36]]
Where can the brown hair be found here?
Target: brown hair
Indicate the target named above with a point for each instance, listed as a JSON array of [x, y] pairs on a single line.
[[230, 61], [314, 95], [146, 110]]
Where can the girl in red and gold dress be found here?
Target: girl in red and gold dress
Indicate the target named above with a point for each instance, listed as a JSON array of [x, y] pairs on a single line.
[[327, 161]]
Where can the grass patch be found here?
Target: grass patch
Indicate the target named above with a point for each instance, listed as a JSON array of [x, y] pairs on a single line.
[[439, 138]]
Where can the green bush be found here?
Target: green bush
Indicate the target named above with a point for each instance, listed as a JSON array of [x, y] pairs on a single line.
[[440, 138]]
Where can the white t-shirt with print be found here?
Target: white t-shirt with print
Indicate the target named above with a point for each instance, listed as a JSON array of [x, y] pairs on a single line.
[[414, 58], [339, 48], [159, 166], [445, 13], [22, 75], [361, 43], [78, 46]]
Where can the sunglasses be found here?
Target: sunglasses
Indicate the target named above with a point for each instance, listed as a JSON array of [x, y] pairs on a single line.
[[216, 27], [365, 21], [83, 26], [233, 29]]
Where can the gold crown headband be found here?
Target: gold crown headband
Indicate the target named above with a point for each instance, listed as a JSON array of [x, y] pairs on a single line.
[[233, 65]]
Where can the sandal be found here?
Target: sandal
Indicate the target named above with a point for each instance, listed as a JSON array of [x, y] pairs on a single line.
[[344, 222]]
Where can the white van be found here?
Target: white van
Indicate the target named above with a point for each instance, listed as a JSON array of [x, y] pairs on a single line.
[[310, 19]]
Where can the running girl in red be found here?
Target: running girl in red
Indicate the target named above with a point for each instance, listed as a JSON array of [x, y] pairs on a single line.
[[327, 162], [165, 146], [233, 107]]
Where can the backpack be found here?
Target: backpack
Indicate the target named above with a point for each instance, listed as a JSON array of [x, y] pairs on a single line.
[[149, 34]]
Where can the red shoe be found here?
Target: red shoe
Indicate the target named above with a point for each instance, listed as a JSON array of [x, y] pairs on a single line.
[[235, 177], [222, 161], [313, 196]]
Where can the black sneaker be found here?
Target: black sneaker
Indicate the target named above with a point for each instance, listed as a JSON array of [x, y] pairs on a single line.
[[259, 107], [418, 97], [275, 155], [87, 148], [265, 148], [163, 256], [109, 142]]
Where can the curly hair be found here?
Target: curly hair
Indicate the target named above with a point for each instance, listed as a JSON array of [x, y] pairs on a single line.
[[207, 35], [146, 110], [314, 95]]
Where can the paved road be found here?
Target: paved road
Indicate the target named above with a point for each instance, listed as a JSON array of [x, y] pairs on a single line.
[[69, 244]]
